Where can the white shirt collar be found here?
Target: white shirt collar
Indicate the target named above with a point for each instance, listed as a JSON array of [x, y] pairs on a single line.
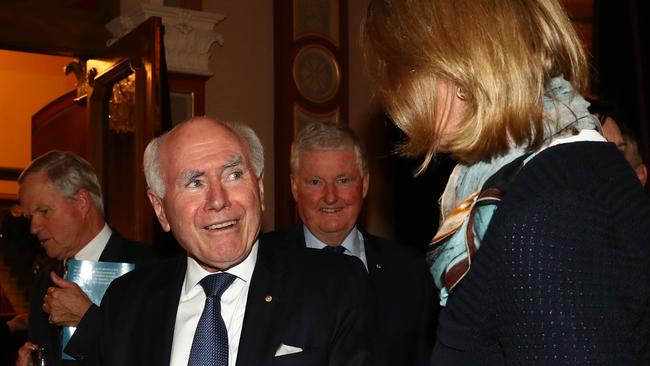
[[350, 243], [93, 250], [353, 243], [583, 135], [195, 273]]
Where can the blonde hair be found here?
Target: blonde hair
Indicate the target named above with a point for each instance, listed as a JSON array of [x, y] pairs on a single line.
[[501, 53]]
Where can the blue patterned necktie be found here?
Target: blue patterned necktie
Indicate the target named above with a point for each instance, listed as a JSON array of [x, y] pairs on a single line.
[[338, 249], [210, 344]]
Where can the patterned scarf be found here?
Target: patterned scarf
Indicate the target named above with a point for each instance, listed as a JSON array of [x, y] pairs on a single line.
[[465, 205]]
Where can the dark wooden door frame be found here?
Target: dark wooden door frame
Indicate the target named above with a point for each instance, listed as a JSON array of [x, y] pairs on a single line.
[[287, 96]]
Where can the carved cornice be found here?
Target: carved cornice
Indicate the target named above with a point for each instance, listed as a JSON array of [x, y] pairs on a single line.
[[189, 34]]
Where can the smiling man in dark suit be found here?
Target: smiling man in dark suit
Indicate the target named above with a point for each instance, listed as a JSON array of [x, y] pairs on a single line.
[[233, 299], [329, 181], [60, 194]]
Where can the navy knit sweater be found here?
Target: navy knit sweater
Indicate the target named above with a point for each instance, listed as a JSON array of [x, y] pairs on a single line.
[[563, 274]]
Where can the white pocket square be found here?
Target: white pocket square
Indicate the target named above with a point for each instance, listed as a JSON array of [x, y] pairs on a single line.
[[286, 349]]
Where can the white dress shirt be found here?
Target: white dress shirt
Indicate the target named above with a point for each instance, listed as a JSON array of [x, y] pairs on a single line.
[[93, 250], [353, 244], [192, 301]]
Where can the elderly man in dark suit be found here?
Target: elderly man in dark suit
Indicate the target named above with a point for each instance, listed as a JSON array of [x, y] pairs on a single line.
[[233, 299], [329, 181], [60, 193]]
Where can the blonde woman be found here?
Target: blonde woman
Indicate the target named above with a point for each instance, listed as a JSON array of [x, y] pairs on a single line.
[[543, 252]]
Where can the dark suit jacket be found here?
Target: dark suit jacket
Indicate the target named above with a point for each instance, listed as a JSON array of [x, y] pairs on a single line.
[[403, 289], [6, 344], [118, 249], [298, 298]]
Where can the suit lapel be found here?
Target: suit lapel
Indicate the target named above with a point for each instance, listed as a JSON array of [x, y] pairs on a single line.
[[161, 307], [296, 234], [376, 262], [113, 250], [292, 237], [259, 335]]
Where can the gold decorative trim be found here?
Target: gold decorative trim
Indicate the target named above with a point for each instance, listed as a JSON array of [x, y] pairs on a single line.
[[302, 117]]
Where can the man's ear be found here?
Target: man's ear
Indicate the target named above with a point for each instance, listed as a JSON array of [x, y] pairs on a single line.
[[366, 183], [294, 186], [642, 172], [156, 203], [260, 185], [83, 200]]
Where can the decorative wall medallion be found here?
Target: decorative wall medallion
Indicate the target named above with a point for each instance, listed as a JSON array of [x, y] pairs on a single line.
[[316, 73]]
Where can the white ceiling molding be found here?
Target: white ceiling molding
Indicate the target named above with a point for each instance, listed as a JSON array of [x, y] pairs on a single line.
[[189, 34]]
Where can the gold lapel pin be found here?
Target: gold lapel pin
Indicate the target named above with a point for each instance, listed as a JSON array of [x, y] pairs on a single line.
[[268, 298], [378, 266]]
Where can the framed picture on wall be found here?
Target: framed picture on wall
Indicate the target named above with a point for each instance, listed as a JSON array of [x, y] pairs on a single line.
[[186, 96], [182, 105]]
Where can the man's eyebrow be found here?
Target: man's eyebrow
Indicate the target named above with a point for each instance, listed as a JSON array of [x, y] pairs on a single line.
[[190, 175], [233, 162]]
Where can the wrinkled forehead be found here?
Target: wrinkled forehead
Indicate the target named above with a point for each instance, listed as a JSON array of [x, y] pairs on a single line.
[[202, 142], [36, 188], [343, 156]]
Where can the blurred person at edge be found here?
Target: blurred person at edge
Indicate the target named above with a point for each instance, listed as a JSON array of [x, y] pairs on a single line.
[[543, 252], [633, 156], [617, 132]]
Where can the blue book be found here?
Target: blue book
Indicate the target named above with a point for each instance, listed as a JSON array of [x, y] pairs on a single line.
[[93, 277]]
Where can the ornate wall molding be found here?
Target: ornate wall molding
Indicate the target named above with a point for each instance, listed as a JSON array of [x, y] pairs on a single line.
[[189, 34]]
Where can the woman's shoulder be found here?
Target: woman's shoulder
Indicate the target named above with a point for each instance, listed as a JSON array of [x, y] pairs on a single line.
[[584, 187], [585, 166], [574, 152]]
